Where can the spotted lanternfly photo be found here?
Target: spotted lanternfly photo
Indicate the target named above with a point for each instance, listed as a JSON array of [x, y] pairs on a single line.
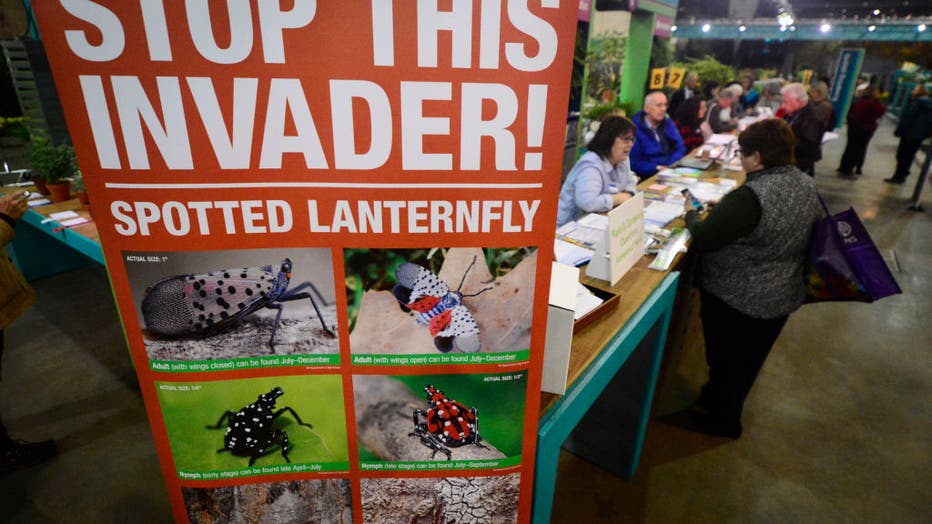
[[436, 306], [439, 301], [231, 304], [325, 500], [439, 417], [474, 499], [447, 424], [257, 422], [250, 432]]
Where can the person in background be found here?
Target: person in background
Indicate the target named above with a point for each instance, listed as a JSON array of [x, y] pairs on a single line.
[[691, 124], [818, 94], [684, 93], [752, 253], [718, 119], [602, 177], [914, 127], [658, 143], [771, 99], [862, 122], [15, 297], [710, 90], [749, 99], [735, 87], [806, 124]]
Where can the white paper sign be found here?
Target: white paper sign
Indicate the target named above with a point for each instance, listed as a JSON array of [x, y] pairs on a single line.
[[623, 243]]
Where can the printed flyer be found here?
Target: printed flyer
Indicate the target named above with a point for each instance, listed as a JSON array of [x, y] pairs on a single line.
[[328, 227]]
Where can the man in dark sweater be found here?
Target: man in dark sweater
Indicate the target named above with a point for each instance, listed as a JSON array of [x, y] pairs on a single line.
[[807, 126], [684, 93]]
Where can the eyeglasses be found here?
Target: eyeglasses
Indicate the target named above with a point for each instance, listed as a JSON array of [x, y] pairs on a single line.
[[628, 139]]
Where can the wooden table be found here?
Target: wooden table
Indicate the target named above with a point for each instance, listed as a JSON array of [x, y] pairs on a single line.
[[39, 247], [621, 351]]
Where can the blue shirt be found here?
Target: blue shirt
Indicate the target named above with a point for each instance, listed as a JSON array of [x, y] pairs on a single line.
[[590, 185]]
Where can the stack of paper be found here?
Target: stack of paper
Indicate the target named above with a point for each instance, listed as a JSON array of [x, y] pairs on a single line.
[[571, 254], [721, 139], [586, 232], [661, 213], [585, 301]]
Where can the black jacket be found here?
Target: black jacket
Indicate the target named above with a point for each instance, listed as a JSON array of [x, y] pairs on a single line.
[[807, 126]]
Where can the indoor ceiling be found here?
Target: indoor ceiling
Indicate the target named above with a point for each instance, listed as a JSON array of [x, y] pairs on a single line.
[[809, 9]]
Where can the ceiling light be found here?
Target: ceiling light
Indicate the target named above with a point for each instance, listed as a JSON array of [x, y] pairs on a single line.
[[825, 28], [706, 27], [876, 12], [921, 28], [742, 28], [871, 28]]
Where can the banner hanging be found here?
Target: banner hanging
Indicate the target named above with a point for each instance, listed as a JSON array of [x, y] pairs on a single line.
[[329, 228]]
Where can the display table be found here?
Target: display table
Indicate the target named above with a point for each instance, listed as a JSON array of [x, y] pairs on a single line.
[[598, 353], [43, 248], [619, 355]]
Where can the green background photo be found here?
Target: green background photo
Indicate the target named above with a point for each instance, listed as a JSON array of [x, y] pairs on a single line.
[[317, 399], [500, 405]]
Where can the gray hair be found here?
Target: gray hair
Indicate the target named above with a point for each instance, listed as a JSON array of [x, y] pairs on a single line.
[[727, 93], [795, 90], [652, 95], [772, 87]]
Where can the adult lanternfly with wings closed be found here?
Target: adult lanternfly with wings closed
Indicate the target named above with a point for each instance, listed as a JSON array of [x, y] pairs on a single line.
[[441, 310], [203, 305]]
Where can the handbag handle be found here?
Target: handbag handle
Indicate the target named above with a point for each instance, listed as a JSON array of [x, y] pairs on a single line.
[[824, 206]]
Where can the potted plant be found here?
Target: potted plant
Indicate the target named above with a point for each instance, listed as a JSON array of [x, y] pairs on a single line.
[[80, 191], [53, 164]]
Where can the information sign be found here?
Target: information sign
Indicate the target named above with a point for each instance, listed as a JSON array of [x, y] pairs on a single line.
[[324, 222]]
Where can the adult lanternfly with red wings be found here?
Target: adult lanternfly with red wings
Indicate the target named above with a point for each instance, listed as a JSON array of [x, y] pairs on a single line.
[[207, 304], [449, 320]]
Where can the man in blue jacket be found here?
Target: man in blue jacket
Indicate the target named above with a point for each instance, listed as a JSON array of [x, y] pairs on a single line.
[[658, 144]]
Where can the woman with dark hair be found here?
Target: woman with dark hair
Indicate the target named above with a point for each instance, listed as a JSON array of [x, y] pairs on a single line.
[[710, 90], [753, 248], [602, 178], [689, 119]]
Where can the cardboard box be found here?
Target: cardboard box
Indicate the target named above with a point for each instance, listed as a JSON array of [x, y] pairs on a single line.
[[560, 313]]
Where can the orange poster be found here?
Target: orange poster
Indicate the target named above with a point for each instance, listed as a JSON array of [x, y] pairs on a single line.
[[329, 228]]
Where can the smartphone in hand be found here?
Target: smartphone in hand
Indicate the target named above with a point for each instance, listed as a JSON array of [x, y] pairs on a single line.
[[697, 205]]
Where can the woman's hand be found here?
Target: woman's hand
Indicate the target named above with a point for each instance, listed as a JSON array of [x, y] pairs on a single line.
[[687, 206], [619, 198], [14, 205]]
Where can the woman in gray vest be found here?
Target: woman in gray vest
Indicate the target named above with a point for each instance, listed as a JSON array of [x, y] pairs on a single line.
[[753, 248]]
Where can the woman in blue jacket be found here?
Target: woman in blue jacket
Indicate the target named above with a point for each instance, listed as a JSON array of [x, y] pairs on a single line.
[[601, 178], [658, 143]]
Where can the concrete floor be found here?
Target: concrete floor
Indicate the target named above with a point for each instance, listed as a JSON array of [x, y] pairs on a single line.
[[837, 429]]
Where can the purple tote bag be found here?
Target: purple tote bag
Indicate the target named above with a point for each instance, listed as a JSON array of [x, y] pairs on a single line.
[[844, 263]]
